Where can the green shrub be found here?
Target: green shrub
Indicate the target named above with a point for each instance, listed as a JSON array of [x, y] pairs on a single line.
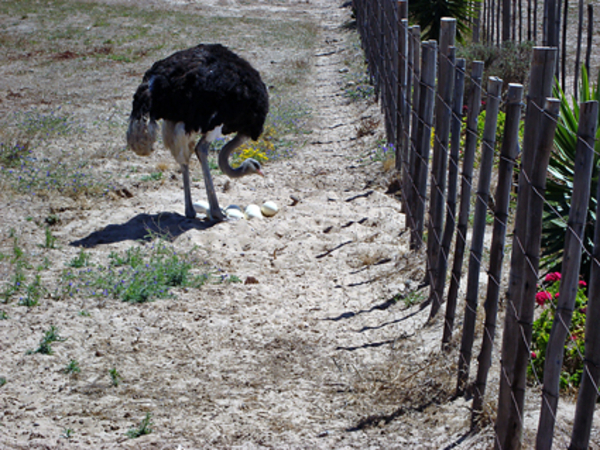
[[559, 186], [572, 369]]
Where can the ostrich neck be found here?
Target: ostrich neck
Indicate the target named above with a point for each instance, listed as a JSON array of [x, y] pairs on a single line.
[[224, 154]]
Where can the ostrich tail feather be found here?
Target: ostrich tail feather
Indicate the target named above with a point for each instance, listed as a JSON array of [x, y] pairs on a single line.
[[141, 135]]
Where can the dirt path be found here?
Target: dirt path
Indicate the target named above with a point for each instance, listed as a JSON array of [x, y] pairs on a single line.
[[311, 352]]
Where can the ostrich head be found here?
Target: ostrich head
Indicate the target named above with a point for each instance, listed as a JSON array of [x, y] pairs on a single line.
[[250, 166]]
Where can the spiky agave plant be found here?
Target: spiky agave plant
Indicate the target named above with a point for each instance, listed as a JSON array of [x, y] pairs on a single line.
[[428, 14], [559, 187]]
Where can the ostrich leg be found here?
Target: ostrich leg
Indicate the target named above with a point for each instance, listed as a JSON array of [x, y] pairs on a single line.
[[189, 208], [202, 152]]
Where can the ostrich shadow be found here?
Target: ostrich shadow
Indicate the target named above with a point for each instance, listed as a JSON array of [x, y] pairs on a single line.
[[143, 227]]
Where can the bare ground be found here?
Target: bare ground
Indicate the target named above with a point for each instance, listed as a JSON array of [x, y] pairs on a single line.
[[312, 354]]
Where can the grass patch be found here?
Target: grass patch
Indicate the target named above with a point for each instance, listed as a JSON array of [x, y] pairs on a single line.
[[154, 176], [46, 124], [11, 155], [72, 368], [82, 30], [50, 336], [145, 427], [42, 177], [357, 83], [81, 260], [138, 275], [115, 377]]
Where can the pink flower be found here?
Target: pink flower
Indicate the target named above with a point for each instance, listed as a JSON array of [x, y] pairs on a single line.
[[582, 283], [552, 277], [556, 296], [533, 355], [583, 310], [542, 296]]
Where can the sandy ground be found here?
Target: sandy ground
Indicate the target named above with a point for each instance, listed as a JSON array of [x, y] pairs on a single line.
[[310, 353]]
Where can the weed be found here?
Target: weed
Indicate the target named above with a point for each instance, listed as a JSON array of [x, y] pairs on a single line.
[[38, 124], [115, 377], [143, 428], [67, 434], [72, 368], [42, 177], [50, 336], [84, 313], [2, 381], [3, 315], [154, 176], [228, 279], [357, 83], [11, 155], [138, 275], [19, 262], [33, 293], [49, 239], [81, 260], [413, 298]]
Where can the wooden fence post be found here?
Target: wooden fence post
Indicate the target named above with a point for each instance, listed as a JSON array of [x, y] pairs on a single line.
[[474, 107], [479, 226], [443, 116], [450, 222], [510, 403], [408, 181], [508, 154], [530, 276], [582, 179], [402, 107], [588, 391], [426, 100]]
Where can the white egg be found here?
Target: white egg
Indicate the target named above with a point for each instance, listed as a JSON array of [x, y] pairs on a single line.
[[202, 207], [252, 211], [269, 209], [236, 207], [234, 213]]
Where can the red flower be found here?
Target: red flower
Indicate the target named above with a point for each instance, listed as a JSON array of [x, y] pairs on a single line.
[[582, 283], [552, 277], [542, 296], [583, 310], [533, 355], [556, 296]]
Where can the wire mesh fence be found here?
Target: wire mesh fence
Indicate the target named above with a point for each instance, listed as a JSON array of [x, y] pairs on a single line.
[[432, 108]]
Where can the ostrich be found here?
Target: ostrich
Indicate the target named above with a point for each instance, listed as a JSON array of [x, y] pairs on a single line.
[[206, 90]]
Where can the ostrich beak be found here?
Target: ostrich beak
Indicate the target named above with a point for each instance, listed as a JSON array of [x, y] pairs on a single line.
[[259, 172]]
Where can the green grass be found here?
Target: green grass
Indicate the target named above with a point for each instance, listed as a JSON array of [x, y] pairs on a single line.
[[126, 34], [81, 260], [2, 381], [145, 427], [33, 293], [45, 124], [138, 275], [50, 336], [154, 176], [49, 239], [72, 368], [115, 377], [68, 433]]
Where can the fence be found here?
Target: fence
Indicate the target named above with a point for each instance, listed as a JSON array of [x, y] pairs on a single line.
[[422, 88]]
